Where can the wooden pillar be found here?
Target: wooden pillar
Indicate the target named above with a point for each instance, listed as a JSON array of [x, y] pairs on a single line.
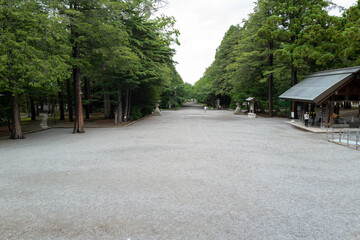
[[331, 113], [326, 115], [359, 112]]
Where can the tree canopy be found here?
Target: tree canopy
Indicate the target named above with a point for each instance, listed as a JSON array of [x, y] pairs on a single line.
[[277, 46], [112, 56]]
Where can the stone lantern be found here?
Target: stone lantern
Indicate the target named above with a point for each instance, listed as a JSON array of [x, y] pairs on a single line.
[[157, 111]]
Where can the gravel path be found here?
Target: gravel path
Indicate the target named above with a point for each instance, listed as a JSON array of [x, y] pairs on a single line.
[[185, 175]]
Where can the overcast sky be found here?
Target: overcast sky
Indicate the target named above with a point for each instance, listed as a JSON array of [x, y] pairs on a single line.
[[202, 24]]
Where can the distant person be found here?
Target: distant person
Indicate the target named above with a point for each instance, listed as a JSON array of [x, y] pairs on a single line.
[[313, 118], [306, 118], [205, 108]]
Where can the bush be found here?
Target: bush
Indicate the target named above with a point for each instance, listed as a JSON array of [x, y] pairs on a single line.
[[136, 112]]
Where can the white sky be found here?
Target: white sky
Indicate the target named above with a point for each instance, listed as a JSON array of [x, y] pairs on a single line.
[[202, 25]]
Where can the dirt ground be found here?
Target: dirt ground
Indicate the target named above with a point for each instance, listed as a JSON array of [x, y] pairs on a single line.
[[96, 121]]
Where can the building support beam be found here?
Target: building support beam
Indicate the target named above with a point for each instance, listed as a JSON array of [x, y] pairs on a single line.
[[326, 114]]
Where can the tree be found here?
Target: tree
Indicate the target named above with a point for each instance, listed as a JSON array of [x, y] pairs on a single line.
[[267, 37], [28, 53], [302, 25], [351, 36], [280, 40]]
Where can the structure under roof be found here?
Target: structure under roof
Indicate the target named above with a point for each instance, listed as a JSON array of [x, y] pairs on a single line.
[[319, 86]]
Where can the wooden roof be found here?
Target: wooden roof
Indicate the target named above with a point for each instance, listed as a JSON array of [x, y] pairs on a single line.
[[317, 87]]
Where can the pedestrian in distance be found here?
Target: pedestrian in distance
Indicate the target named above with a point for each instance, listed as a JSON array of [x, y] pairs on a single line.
[[306, 118], [313, 118], [205, 108]]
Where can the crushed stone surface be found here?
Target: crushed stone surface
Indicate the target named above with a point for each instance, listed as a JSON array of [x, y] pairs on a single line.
[[187, 174]]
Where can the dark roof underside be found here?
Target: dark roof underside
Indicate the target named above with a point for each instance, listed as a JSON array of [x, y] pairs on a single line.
[[320, 85]]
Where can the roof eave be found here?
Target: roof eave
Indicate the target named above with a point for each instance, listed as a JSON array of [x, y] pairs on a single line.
[[297, 99]]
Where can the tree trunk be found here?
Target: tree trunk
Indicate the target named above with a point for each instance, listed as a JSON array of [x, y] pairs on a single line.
[[293, 83], [126, 105], [61, 104], [87, 106], [79, 119], [28, 106], [119, 112], [107, 106], [16, 131], [69, 100], [37, 109], [129, 109], [271, 79], [53, 109], [32, 109]]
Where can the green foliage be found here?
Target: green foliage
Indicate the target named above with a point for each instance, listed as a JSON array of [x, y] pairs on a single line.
[[176, 92], [136, 112], [300, 37], [118, 46], [143, 57], [32, 52], [351, 35]]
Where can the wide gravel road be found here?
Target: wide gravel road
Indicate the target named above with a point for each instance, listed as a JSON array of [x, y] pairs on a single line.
[[184, 175]]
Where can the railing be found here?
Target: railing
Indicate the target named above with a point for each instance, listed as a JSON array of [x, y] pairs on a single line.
[[346, 137]]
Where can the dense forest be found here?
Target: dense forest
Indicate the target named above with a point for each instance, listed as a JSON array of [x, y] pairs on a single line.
[[276, 47], [83, 56]]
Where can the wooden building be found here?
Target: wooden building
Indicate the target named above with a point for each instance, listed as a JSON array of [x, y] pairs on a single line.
[[327, 90]]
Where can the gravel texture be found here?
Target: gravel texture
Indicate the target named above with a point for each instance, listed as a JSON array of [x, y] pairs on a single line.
[[184, 175]]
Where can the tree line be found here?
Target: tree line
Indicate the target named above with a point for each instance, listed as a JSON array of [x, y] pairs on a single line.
[[278, 45], [83, 56]]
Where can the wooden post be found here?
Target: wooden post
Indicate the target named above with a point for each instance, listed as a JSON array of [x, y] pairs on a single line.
[[326, 115], [331, 113]]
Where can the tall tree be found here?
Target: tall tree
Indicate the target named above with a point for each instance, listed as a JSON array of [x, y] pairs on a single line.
[[28, 46], [351, 36], [301, 21]]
